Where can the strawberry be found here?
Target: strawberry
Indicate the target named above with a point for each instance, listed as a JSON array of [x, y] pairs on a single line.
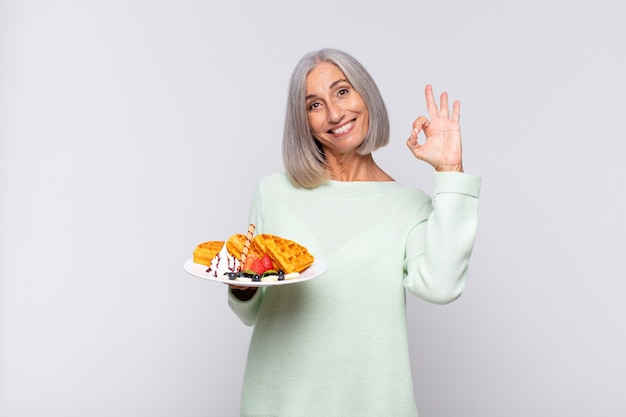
[[266, 261], [257, 266], [247, 265]]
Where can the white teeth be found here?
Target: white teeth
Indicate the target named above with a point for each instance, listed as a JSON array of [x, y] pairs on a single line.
[[342, 128]]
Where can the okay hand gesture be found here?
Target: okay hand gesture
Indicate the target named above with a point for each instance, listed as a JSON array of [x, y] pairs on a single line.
[[442, 147]]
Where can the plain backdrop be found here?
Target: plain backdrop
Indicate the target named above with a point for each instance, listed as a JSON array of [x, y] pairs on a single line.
[[133, 130]]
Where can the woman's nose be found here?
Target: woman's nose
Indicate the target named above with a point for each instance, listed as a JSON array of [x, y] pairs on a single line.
[[335, 112]]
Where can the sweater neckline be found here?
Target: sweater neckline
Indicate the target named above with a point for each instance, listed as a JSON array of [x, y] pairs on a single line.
[[356, 189]]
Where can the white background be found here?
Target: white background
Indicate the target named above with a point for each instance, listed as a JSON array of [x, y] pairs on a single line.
[[133, 130]]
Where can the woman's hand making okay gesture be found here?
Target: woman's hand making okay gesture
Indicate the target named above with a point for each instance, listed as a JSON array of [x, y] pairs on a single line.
[[442, 147]]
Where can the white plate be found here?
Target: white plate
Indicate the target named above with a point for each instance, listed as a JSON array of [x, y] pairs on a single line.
[[197, 270]]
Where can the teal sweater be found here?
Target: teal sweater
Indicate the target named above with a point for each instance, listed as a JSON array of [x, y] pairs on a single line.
[[337, 345]]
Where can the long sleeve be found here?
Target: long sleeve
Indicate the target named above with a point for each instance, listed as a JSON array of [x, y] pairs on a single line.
[[247, 311], [344, 332], [439, 247]]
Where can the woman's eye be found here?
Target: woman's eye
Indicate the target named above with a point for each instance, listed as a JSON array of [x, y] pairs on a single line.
[[343, 91], [314, 106]]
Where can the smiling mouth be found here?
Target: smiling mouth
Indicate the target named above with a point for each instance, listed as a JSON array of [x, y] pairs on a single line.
[[342, 129]]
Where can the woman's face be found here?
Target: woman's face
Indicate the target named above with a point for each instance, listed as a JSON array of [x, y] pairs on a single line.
[[337, 114]]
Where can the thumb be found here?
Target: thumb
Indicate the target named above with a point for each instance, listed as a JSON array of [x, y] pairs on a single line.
[[414, 145], [411, 142]]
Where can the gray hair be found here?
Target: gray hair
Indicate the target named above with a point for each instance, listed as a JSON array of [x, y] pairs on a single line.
[[303, 156]]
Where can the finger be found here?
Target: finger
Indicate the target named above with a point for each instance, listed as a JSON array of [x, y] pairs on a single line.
[[443, 102], [421, 123], [414, 146], [431, 104], [411, 142], [456, 111]]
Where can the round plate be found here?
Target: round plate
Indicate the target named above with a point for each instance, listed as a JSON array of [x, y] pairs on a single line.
[[197, 270]]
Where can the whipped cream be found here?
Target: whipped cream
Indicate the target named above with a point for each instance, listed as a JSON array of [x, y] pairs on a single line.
[[222, 263]]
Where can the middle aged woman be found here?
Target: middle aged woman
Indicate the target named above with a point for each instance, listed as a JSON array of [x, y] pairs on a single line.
[[337, 345]]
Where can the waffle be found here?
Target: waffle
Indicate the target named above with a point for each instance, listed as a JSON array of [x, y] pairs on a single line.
[[235, 245], [205, 252], [286, 254]]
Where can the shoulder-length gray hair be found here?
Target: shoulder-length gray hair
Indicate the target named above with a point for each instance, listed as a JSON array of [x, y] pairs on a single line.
[[303, 156]]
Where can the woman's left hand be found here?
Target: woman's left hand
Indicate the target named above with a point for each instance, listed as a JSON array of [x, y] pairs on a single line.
[[442, 148]]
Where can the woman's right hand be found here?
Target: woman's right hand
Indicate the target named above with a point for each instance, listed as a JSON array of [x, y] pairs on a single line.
[[242, 293]]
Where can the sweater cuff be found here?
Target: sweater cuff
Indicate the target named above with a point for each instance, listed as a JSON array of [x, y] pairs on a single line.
[[457, 182], [246, 310]]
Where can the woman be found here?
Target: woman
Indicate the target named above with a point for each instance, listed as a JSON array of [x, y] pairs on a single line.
[[337, 345]]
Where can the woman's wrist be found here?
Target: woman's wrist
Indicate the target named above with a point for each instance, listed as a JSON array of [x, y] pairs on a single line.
[[451, 168]]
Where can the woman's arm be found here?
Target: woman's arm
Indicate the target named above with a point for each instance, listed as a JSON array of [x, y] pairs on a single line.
[[439, 248]]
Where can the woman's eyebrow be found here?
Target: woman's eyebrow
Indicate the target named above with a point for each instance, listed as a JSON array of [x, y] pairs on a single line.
[[334, 83], [331, 86]]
